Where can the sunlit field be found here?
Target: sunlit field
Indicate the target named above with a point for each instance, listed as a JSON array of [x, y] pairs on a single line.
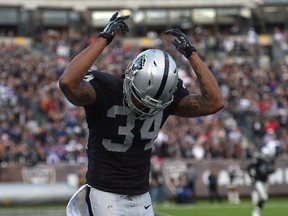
[[274, 207]]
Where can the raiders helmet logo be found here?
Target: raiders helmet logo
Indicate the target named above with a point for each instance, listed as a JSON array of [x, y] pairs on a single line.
[[139, 63]]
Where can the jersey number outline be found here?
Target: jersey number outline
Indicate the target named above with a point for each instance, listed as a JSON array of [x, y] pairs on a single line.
[[145, 131]]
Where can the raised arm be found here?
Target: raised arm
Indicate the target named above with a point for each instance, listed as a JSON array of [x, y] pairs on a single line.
[[210, 100], [72, 83]]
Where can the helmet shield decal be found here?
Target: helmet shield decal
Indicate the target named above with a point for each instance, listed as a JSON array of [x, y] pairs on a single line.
[[139, 63]]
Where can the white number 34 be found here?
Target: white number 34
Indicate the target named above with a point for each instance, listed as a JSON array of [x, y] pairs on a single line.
[[145, 131]]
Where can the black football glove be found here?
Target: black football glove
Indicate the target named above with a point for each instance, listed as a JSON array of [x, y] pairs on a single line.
[[115, 24], [182, 43]]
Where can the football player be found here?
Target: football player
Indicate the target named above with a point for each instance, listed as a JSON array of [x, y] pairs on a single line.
[[234, 172], [259, 170], [124, 116]]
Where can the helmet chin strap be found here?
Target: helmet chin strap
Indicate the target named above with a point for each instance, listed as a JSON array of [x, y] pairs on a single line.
[[137, 113], [129, 106]]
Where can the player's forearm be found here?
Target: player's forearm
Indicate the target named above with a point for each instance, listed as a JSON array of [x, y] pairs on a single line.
[[78, 67], [208, 85]]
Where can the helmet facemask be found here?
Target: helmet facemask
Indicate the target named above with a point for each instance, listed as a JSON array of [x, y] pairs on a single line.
[[143, 80]]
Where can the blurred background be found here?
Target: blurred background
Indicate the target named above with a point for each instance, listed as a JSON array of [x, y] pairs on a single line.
[[43, 136]]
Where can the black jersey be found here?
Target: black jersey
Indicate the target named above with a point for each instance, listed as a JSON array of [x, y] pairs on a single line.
[[260, 169], [119, 146]]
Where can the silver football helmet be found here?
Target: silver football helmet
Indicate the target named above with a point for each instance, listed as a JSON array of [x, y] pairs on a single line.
[[269, 150], [149, 83]]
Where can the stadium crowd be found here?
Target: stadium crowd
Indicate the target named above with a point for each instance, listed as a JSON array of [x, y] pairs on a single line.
[[38, 125]]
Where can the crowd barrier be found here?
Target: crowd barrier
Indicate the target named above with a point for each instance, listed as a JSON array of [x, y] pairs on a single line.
[[46, 183], [278, 181]]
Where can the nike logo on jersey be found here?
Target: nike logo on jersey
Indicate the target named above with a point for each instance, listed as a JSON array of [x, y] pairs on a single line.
[[147, 206]]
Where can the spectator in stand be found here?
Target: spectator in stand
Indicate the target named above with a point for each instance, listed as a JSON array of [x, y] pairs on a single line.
[[30, 121]]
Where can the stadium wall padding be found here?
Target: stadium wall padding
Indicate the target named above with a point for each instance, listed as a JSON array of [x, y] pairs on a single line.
[[46, 183], [23, 193]]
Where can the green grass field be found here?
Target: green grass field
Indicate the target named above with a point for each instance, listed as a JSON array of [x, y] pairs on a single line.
[[274, 207]]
